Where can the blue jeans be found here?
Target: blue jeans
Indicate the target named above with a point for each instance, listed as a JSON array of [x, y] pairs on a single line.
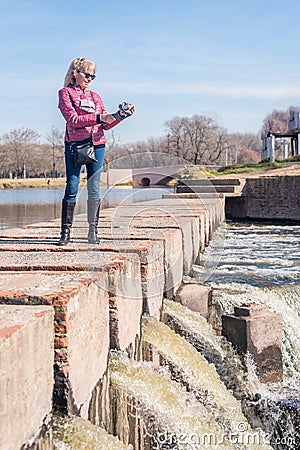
[[73, 176]]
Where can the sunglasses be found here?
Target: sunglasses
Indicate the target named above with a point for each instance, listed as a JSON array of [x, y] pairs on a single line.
[[88, 75]]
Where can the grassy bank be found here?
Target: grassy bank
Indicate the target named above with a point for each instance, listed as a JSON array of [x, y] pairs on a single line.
[[32, 183], [263, 166], [235, 169], [42, 183], [35, 183]]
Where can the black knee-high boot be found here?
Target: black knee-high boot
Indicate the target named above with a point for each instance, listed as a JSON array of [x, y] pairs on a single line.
[[67, 215], [93, 217]]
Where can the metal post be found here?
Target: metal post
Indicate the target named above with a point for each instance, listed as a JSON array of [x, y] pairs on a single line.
[[285, 150], [53, 154], [298, 144], [272, 148], [268, 147]]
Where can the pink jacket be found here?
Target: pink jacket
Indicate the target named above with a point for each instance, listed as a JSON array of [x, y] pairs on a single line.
[[79, 122]]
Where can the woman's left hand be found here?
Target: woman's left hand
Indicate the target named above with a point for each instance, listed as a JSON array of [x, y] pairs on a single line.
[[126, 109]]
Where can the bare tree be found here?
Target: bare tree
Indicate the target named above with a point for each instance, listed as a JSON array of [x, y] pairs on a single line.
[[56, 139], [244, 148], [19, 146], [278, 121], [5, 168], [198, 139], [112, 140], [176, 137]]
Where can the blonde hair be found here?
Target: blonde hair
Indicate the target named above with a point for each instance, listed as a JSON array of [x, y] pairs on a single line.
[[78, 65]]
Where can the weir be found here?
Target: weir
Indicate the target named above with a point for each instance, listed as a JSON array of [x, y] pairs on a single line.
[[75, 432], [97, 294], [260, 264], [116, 373], [217, 351], [170, 415], [194, 371]]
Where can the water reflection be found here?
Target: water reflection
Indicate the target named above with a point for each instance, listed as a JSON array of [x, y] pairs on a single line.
[[24, 206]]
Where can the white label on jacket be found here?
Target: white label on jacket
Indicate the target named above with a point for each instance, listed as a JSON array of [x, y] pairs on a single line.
[[87, 105]]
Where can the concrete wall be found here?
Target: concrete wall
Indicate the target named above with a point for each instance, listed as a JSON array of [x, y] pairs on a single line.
[[113, 177], [92, 310], [267, 198], [26, 349]]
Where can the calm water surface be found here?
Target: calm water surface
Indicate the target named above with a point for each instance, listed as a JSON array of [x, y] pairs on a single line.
[[24, 206]]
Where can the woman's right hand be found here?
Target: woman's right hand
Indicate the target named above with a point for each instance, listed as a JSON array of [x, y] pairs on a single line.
[[107, 118]]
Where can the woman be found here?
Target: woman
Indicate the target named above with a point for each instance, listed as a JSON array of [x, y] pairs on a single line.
[[85, 115]]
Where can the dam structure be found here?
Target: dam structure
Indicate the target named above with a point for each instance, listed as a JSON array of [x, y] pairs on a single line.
[[67, 313]]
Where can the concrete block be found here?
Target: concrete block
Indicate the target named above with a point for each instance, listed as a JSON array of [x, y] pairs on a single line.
[[26, 371], [210, 182], [76, 259], [126, 307], [190, 235], [254, 329], [32, 238], [149, 256], [57, 259], [162, 215], [205, 189], [195, 297], [81, 327], [157, 217], [96, 307], [170, 238], [92, 310], [212, 207], [163, 241]]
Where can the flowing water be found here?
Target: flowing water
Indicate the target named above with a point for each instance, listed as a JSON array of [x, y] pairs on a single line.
[[71, 433], [217, 350], [200, 377], [256, 255], [173, 417], [260, 263]]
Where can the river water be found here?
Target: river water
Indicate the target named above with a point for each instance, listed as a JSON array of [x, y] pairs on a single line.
[[257, 255], [25, 206], [261, 263], [258, 263]]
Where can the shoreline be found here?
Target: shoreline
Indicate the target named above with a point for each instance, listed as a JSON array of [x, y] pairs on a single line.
[[59, 183], [32, 183], [37, 183]]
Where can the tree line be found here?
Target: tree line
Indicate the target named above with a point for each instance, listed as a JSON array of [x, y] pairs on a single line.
[[22, 156], [198, 140]]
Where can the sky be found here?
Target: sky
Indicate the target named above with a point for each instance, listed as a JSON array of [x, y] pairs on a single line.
[[232, 60]]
